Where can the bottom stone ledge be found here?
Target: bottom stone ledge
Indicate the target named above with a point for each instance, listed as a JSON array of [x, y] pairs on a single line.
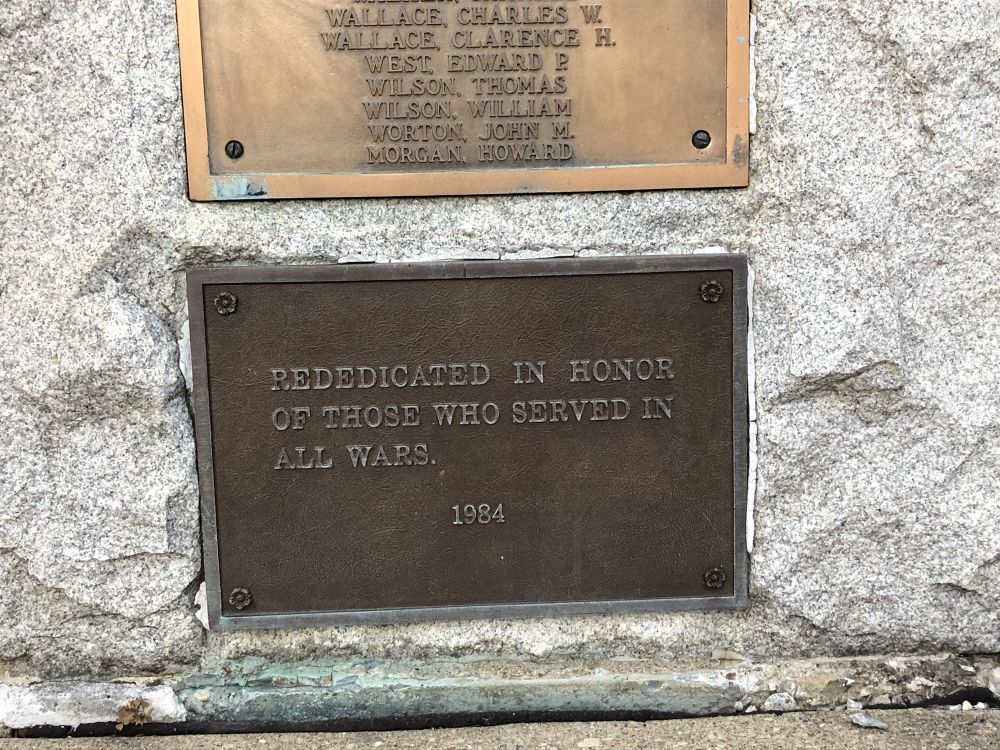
[[370, 694]]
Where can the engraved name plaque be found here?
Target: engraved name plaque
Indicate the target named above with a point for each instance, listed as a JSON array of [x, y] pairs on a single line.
[[311, 98], [384, 443]]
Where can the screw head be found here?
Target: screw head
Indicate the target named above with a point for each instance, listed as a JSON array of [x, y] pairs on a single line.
[[701, 139], [234, 150], [241, 598], [711, 291], [225, 303], [715, 578]]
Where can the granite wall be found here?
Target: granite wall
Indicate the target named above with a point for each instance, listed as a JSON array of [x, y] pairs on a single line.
[[871, 224]]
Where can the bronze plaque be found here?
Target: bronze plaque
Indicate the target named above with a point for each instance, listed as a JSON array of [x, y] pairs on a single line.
[[396, 442], [303, 98]]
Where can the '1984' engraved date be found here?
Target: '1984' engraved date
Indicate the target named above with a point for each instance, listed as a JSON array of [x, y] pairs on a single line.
[[471, 514]]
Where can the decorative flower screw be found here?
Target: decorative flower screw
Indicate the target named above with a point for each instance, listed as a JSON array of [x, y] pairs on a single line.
[[241, 598], [711, 291], [225, 303], [715, 578]]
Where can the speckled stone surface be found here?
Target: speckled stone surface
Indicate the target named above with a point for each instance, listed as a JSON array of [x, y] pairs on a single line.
[[871, 222]]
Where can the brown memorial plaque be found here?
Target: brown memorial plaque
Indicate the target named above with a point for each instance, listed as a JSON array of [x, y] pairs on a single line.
[[383, 443], [311, 98]]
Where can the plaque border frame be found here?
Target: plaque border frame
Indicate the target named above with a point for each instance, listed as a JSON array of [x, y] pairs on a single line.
[[204, 186], [197, 278]]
